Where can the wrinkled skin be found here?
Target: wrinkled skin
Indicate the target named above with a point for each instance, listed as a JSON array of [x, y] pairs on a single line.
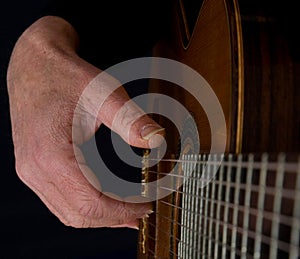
[[45, 80]]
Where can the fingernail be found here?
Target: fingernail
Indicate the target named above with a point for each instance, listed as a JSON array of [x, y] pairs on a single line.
[[150, 130], [148, 213], [135, 225]]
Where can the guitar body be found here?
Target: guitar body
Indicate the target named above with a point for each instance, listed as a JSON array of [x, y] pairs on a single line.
[[248, 57], [212, 46]]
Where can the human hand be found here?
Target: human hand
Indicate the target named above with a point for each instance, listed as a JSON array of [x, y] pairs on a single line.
[[45, 80]]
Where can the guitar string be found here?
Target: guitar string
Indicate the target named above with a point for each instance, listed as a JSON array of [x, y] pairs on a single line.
[[233, 227], [283, 246], [286, 220], [288, 192], [272, 166], [265, 240], [279, 244], [172, 236]]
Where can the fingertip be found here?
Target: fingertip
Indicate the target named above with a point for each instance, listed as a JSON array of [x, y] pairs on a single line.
[[156, 141], [153, 134]]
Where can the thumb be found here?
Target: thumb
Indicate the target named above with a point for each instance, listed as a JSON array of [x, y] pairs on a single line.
[[106, 101], [136, 127]]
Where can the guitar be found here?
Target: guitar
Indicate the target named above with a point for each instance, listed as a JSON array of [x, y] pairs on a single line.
[[250, 205]]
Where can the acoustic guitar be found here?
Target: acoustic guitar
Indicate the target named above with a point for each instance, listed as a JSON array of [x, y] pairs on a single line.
[[249, 205]]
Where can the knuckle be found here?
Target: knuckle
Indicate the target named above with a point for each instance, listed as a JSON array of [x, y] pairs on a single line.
[[25, 172], [96, 208], [86, 216], [77, 221], [90, 210], [124, 213]]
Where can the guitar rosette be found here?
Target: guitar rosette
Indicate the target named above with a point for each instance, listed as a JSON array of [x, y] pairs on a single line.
[[103, 85]]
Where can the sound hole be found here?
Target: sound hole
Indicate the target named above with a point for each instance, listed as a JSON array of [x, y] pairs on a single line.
[[189, 10]]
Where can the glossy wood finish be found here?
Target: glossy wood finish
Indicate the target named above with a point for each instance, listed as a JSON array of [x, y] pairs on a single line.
[[272, 77], [249, 54], [213, 50]]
